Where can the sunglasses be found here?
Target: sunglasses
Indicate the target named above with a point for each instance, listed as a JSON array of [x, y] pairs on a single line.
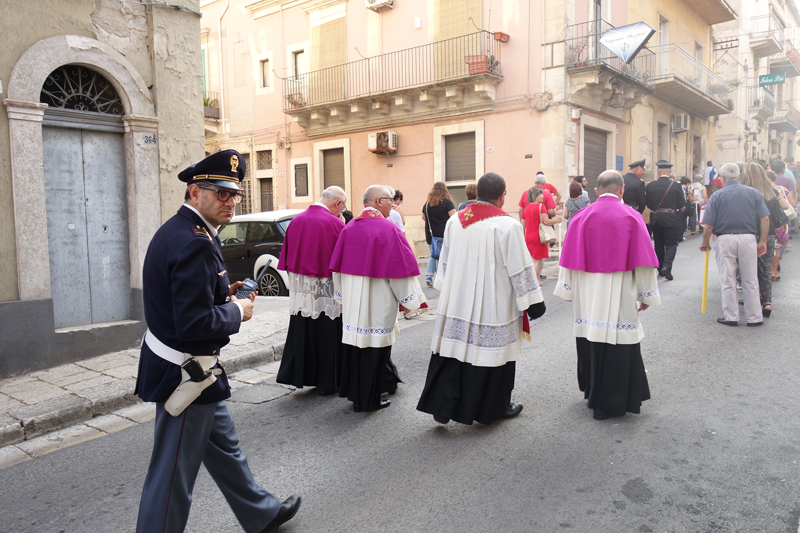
[[223, 195]]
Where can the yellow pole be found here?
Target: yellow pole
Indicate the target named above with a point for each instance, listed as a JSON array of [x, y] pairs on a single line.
[[705, 285]]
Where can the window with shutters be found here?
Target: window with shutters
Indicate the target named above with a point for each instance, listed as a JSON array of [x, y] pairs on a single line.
[[333, 168], [301, 180], [452, 19], [327, 50], [459, 153]]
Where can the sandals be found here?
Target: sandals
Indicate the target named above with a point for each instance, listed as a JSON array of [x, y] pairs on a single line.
[[766, 310], [776, 278]]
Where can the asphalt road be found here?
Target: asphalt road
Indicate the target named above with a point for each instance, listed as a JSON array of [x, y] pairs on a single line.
[[716, 449]]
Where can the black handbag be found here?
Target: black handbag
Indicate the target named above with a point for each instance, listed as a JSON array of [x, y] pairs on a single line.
[[777, 216]]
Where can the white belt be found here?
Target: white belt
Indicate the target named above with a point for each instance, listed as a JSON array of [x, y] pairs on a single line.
[[174, 356]]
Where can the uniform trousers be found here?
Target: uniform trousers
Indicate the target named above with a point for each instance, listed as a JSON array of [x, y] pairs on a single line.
[[666, 242], [728, 250], [201, 434]]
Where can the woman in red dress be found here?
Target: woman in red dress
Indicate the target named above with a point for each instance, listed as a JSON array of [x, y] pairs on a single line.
[[534, 215]]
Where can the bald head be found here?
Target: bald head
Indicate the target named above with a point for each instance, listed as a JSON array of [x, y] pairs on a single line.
[[379, 197], [610, 181], [334, 199]]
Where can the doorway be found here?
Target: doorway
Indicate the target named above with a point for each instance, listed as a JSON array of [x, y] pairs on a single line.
[[595, 148]]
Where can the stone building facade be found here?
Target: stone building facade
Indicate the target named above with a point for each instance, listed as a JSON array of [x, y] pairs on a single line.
[[103, 108]]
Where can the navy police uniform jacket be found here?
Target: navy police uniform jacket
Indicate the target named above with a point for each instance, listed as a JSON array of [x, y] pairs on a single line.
[[673, 200], [186, 305]]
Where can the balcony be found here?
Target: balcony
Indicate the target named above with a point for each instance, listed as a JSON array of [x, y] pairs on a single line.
[[714, 11], [440, 79], [688, 84], [760, 103], [211, 112], [766, 35], [786, 119], [788, 62]]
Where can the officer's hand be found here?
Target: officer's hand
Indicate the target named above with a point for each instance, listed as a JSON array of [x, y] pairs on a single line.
[[247, 306], [762, 249], [235, 287]]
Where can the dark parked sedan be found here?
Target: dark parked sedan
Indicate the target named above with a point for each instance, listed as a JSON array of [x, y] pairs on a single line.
[[249, 241]]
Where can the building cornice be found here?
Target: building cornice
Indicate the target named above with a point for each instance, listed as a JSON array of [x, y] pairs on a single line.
[[262, 8]]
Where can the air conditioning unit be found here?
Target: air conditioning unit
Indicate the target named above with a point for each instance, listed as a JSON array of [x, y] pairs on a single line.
[[775, 135], [375, 5], [680, 122], [383, 142]]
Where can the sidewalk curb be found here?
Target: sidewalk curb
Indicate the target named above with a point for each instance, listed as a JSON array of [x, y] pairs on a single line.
[[33, 421]]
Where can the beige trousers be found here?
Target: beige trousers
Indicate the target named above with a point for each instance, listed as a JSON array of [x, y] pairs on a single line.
[[728, 251]]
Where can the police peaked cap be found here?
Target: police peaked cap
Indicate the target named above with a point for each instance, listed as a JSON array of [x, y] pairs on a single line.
[[639, 163], [224, 169], [663, 164]]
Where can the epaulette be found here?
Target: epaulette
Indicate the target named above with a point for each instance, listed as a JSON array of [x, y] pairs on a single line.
[[200, 231]]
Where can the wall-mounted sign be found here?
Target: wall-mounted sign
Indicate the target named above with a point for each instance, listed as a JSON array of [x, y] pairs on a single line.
[[619, 162], [772, 79], [627, 41], [528, 156]]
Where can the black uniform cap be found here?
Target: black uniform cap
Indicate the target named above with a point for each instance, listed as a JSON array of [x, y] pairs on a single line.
[[639, 163], [224, 169], [663, 164]]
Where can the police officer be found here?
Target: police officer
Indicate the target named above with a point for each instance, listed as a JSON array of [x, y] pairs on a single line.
[[664, 197], [191, 311], [634, 194]]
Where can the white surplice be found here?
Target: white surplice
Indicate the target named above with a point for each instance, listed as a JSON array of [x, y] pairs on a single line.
[[370, 305], [606, 305], [487, 280]]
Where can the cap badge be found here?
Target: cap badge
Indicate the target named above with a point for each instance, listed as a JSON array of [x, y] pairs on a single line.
[[234, 163]]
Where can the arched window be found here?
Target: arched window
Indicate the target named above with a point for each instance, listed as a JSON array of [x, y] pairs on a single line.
[[80, 88]]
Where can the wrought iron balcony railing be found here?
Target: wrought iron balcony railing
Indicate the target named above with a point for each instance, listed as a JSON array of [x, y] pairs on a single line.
[[760, 97], [675, 62], [787, 112], [469, 55], [583, 48], [764, 26]]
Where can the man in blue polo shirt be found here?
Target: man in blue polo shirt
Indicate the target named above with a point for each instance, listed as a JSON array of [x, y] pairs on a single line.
[[736, 214]]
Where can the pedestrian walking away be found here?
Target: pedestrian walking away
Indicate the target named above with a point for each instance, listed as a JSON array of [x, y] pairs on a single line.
[[374, 271], [634, 186], [313, 350], [607, 270], [438, 208], [665, 199], [736, 214], [488, 284], [191, 311]]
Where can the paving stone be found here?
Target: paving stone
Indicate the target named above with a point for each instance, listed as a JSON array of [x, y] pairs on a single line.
[[11, 455], [11, 383], [70, 379], [250, 376], [11, 431], [110, 423], [107, 361], [52, 415], [59, 439], [7, 403], [96, 381], [110, 396], [249, 360], [58, 371], [270, 368], [124, 371], [35, 392], [140, 412], [256, 394]]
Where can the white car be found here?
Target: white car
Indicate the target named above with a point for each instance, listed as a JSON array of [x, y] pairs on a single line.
[[249, 241]]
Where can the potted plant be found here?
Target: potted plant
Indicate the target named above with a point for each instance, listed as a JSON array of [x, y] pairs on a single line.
[[295, 100], [478, 64], [501, 37]]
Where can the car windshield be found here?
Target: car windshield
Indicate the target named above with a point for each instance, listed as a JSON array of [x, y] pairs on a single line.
[[284, 224]]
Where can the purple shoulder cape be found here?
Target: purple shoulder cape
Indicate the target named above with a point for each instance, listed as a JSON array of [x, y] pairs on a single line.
[[372, 246], [309, 242], [607, 236]]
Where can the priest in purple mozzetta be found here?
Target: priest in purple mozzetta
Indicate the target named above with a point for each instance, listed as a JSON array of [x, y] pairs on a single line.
[[374, 270], [609, 272], [313, 347]]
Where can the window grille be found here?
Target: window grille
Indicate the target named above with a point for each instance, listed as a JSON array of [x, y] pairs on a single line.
[[264, 160], [80, 88]]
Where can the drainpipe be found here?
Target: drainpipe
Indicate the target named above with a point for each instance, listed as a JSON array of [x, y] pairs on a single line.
[[221, 78]]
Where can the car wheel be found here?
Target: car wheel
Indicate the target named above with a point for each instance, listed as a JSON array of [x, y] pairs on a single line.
[[272, 285]]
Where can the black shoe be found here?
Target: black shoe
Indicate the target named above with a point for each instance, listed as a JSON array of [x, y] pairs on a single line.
[[441, 419], [287, 511], [741, 302], [392, 392], [755, 324], [382, 405], [660, 273], [667, 274], [325, 392], [512, 410], [602, 415], [542, 276], [731, 323]]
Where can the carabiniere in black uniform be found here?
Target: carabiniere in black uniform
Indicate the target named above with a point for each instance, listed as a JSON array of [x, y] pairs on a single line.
[[190, 316], [634, 193], [665, 199]]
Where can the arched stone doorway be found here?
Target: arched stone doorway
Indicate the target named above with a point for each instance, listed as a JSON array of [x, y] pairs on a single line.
[[84, 178]]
